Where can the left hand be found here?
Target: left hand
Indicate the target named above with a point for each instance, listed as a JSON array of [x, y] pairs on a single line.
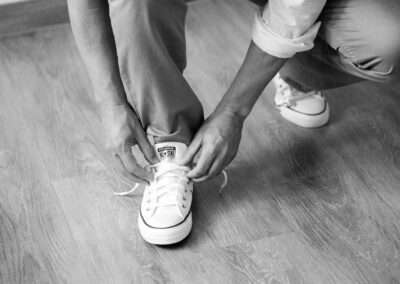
[[218, 139]]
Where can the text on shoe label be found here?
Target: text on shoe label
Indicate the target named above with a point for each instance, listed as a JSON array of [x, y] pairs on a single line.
[[166, 152]]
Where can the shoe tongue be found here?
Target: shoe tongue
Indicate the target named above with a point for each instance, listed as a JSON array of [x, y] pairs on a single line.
[[170, 151]]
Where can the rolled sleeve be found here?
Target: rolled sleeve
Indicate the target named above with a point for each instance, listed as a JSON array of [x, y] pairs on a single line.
[[285, 27]]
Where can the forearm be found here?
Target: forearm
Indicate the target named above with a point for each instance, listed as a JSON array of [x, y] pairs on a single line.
[[93, 35], [256, 72]]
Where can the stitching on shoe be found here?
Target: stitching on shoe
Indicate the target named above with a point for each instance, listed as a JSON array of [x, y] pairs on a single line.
[[144, 221], [314, 114]]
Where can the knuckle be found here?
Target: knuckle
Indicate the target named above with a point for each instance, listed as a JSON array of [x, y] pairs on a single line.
[[213, 150], [216, 143]]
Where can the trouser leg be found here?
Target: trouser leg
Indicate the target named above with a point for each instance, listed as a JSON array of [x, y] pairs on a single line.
[[150, 42], [358, 40]]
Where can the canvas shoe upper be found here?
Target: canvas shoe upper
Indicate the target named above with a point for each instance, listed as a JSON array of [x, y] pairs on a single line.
[[304, 109], [167, 200], [165, 213]]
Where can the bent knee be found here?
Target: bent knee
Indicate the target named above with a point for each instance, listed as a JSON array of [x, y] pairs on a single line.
[[367, 33], [380, 35], [387, 50], [387, 44], [376, 49]]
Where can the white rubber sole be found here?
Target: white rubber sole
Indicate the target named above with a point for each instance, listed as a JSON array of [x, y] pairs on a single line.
[[167, 236], [305, 120]]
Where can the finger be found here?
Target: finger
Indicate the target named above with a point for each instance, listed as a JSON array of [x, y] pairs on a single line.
[[122, 169], [132, 166], [191, 152], [146, 148], [206, 158], [215, 169]]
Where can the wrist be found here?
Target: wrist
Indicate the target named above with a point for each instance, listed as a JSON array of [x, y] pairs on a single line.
[[236, 104], [241, 111], [231, 109]]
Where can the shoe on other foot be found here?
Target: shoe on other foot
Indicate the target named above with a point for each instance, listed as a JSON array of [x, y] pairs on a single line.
[[165, 215], [304, 109]]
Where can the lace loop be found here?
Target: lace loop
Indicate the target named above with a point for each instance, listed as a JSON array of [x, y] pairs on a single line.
[[289, 95], [168, 172], [167, 188], [127, 192]]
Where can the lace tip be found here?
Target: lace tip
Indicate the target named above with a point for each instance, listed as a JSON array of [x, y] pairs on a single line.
[[224, 183], [121, 193], [126, 192]]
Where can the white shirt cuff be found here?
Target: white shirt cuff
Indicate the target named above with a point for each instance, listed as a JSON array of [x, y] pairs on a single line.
[[277, 45]]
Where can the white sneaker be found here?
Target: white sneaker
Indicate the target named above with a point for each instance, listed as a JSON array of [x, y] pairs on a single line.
[[304, 109], [165, 215]]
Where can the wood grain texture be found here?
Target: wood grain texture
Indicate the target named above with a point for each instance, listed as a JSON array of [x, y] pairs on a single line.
[[301, 206], [23, 15]]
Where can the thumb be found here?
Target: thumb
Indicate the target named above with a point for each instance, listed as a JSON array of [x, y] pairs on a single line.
[[146, 148], [191, 152]]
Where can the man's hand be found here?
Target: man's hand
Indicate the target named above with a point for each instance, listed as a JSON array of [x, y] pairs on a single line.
[[124, 130], [218, 140], [219, 137]]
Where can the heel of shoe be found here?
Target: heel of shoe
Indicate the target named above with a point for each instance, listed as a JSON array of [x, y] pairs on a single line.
[[306, 120]]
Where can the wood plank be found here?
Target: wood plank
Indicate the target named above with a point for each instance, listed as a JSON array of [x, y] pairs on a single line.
[[349, 242], [35, 240], [301, 206], [53, 100]]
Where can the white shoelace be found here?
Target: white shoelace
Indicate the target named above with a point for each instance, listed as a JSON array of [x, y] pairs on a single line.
[[172, 187], [290, 95]]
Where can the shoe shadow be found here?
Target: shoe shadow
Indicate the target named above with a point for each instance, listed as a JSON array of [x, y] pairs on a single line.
[[302, 156], [248, 182], [304, 161]]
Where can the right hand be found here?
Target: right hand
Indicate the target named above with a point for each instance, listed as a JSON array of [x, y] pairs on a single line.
[[124, 130]]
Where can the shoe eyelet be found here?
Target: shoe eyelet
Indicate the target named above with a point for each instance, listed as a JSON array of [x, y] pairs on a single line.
[[185, 190], [184, 198], [183, 206]]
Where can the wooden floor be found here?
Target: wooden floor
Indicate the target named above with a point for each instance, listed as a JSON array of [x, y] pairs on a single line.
[[301, 206]]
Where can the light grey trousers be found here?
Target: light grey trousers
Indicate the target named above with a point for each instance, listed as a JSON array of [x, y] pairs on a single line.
[[358, 40]]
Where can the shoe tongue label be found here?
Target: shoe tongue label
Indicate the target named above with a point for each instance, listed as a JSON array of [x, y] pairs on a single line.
[[167, 152]]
